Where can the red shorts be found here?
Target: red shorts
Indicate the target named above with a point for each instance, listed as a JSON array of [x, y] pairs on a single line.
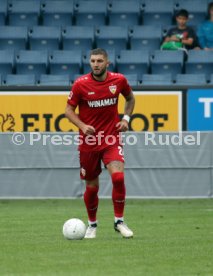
[[90, 162]]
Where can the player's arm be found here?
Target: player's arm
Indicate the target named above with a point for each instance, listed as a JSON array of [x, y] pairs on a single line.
[[128, 109], [129, 104], [73, 118]]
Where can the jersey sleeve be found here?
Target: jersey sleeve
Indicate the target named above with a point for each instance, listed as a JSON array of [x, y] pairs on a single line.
[[126, 88], [74, 96]]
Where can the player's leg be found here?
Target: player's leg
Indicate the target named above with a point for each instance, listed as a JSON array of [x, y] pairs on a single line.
[[91, 203], [116, 170], [114, 161], [91, 200], [90, 170]]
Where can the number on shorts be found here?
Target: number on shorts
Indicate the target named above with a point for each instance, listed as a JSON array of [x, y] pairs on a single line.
[[120, 151]]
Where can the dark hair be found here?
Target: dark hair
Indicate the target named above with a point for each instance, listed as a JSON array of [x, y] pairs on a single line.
[[183, 13], [210, 6], [99, 51]]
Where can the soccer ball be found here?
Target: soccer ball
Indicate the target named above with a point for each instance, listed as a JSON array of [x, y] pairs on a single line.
[[74, 229]]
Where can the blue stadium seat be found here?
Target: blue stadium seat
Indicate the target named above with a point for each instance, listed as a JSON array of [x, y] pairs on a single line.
[[133, 62], [157, 12], [132, 79], [57, 80], [167, 62], [31, 62], [44, 38], [124, 13], [12, 37], [20, 80], [65, 62], [6, 62], [199, 62], [191, 79], [91, 13], [86, 57], [145, 37], [78, 38], [157, 79], [112, 37], [197, 10], [24, 13], [57, 13], [3, 11]]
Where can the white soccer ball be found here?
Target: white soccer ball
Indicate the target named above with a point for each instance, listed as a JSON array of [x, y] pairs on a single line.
[[74, 229]]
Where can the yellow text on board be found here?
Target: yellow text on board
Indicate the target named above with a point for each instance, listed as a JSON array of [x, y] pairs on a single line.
[[156, 111], [44, 111]]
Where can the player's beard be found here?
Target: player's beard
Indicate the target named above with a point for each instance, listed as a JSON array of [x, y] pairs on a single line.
[[100, 74]]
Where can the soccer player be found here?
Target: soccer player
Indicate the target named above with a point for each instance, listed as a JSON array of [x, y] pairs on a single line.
[[96, 94]]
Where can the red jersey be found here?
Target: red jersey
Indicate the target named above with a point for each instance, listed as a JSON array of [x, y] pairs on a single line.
[[98, 106]]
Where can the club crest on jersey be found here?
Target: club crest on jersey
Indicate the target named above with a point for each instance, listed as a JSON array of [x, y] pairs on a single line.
[[113, 88]]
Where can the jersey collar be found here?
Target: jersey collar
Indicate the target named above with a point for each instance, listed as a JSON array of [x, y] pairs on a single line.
[[91, 75]]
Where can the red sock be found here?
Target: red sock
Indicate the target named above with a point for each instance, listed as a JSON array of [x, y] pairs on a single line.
[[91, 201], [118, 193]]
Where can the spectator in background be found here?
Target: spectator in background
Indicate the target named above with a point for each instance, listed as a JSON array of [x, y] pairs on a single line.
[[182, 33], [205, 31]]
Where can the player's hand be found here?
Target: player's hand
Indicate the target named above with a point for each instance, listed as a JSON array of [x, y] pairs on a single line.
[[88, 130], [122, 126]]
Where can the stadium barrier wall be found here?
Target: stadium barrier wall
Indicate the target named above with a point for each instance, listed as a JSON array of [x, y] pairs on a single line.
[[44, 111], [47, 166], [151, 170], [158, 108]]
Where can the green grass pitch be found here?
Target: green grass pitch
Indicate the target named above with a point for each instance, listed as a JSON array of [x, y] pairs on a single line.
[[172, 237]]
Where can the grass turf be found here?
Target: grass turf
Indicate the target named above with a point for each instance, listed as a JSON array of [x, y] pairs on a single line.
[[172, 237]]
